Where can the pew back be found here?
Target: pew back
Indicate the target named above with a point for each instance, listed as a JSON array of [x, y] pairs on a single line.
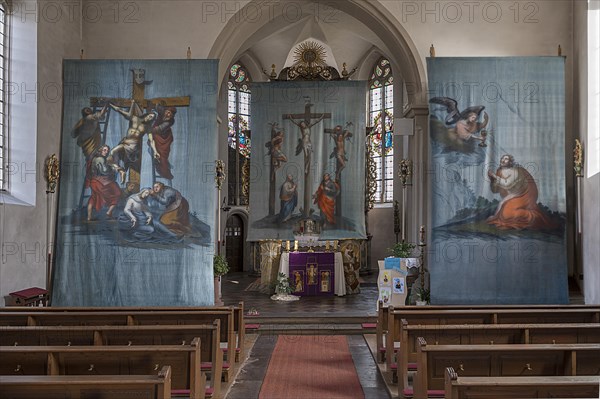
[[502, 360], [156, 386]]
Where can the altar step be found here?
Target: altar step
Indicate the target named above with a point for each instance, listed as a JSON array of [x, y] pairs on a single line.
[[320, 325]]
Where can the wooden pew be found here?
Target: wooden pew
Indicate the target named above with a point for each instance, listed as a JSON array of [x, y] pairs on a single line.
[[507, 314], [382, 315], [500, 361], [211, 355], [134, 317], [184, 360], [96, 386], [494, 334], [520, 387], [238, 310]]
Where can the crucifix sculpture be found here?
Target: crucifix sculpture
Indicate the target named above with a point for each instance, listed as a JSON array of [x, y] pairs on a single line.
[[138, 97], [305, 121]]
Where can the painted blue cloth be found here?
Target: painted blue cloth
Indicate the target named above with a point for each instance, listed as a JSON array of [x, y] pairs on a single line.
[[136, 251], [497, 181], [307, 128]]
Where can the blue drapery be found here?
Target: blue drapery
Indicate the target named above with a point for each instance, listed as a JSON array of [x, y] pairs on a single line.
[[165, 258], [497, 180], [336, 143]]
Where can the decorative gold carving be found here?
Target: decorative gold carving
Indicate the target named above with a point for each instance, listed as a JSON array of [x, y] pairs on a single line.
[[246, 182], [405, 171], [219, 173], [52, 173], [578, 159], [309, 64], [371, 174]]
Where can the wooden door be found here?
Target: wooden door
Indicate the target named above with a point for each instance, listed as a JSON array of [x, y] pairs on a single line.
[[234, 243]]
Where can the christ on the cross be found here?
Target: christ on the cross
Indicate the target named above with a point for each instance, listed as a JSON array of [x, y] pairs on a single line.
[[304, 143], [305, 121]]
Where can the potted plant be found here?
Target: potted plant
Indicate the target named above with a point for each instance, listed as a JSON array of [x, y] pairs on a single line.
[[402, 249], [220, 268], [423, 296]]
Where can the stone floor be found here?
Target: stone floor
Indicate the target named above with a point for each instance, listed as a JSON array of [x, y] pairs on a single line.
[[238, 287]]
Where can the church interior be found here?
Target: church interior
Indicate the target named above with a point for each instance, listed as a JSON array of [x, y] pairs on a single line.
[[398, 199]]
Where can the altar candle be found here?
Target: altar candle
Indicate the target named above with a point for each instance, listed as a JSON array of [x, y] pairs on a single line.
[[295, 245], [287, 245]]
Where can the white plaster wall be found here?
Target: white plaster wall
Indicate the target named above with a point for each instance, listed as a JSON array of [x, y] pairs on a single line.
[[155, 29], [590, 185], [23, 228]]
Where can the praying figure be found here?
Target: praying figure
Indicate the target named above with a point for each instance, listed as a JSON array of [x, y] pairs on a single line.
[[518, 208]]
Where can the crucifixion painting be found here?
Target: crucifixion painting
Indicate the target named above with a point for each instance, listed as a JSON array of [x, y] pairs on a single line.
[[305, 122], [143, 115]]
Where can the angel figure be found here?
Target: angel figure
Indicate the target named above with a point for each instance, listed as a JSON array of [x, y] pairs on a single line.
[[466, 122]]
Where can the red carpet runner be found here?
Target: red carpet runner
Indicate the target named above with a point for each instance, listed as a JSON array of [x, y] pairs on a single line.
[[311, 366]]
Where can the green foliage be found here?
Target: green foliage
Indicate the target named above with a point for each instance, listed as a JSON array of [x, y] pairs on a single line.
[[423, 294], [402, 249], [283, 285], [220, 266]]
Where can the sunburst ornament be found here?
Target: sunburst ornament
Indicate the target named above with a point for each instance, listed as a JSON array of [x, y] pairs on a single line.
[[310, 53]]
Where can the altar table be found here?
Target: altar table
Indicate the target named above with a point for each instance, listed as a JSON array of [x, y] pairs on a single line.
[[339, 281]]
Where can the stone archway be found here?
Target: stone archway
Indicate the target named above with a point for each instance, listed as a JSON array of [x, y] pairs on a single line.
[[258, 17]]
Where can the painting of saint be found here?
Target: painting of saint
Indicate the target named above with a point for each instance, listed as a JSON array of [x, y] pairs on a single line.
[[518, 209]]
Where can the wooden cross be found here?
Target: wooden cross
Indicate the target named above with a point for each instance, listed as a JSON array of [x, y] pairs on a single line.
[[308, 118], [138, 95]]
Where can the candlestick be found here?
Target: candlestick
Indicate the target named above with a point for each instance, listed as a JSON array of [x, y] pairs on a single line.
[[295, 245]]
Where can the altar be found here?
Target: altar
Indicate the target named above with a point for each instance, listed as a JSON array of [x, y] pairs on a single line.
[[314, 273]]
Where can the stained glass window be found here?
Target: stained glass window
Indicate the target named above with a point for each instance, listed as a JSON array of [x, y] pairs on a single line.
[[3, 67], [381, 118], [238, 138]]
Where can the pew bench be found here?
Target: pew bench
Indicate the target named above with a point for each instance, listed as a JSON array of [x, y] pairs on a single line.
[[78, 386], [131, 318], [457, 387], [382, 316], [238, 315], [184, 360], [500, 361], [493, 334], [483, 315], [123, 335]]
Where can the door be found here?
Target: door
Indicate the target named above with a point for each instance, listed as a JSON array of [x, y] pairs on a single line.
[[234, 243]]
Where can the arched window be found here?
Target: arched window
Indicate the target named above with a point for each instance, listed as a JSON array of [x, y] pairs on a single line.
[[3, 70], [238, 138], [381, 118]]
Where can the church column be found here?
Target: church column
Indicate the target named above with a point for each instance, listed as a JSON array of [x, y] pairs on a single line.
[[417, 204]]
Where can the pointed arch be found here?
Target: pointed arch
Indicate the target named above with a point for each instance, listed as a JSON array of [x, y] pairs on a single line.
[[403, 55]]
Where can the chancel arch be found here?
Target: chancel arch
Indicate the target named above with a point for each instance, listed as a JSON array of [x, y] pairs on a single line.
[[358, 34]]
